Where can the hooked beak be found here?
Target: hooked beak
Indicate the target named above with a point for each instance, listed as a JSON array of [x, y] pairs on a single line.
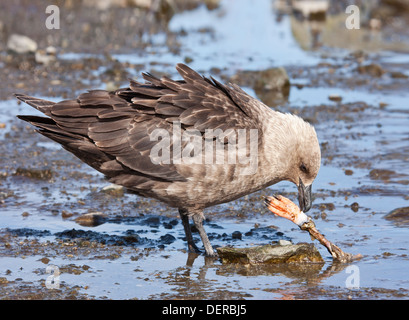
[[304, 196]]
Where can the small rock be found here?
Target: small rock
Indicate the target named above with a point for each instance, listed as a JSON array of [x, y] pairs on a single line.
[[167, 225], [51, 51], [91, 219], [112, 186], [327, 206], [65, 214], [358, 55], [132, 239], [111, 86], [144, 4], [335, 97], [170, 224], [398, 75], [38, 174], [399, 215], [272, 85], [43, 58], [372, 69], [21, 44], [55, 82], [381, 174], [284, 242], [375, 24], [348, 172], [167, 239], [212, 4], [114, 190], [152, 222], [272, 79], [310, 8], [236, 235], [188, 59], [387, 254], [355, 207], [45, 260], [398, 6]]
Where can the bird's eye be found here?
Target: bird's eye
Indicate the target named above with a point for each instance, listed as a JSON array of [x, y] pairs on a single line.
[[303, 168]]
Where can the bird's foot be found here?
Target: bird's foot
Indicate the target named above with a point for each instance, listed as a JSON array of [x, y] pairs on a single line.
[[210, 252], [193, 249], [213, 254]]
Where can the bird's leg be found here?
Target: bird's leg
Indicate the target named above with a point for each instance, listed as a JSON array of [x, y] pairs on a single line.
[[185, 221], [198, 218]]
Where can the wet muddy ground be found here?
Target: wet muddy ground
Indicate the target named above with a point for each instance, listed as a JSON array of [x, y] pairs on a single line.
[[129, 247]]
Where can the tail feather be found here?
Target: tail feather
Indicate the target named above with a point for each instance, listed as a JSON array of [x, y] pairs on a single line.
[[40, 104], [47, 125], [80, 146]]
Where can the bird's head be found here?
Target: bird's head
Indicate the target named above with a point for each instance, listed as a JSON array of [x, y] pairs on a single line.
[[293, 151], [305, 161]]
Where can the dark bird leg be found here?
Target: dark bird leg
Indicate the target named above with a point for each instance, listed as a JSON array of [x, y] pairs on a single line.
[[198, 218], [185, 221]]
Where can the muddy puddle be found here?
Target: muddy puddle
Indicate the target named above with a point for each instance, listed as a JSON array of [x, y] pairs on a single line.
[[354, 91]]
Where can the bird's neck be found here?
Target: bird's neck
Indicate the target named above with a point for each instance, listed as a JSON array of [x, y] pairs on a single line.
[[279, 140]]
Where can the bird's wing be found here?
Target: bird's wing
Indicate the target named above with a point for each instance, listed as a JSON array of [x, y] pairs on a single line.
[[196, 102], [104, 131], [119, 124]]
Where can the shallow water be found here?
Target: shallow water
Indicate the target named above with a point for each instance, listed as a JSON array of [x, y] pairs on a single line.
[[367, 130]]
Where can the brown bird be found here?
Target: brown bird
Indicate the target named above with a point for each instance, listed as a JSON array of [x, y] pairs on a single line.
[[191, 143]]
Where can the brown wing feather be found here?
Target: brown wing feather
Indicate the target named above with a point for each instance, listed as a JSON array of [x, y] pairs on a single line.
[[110, 130]]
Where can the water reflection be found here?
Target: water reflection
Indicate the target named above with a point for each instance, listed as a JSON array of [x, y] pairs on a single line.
[[323, 23], [297, 277]]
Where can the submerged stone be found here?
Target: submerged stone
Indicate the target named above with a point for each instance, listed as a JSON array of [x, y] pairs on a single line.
[[271, 254], [91, 219], [399, 215], [38, 174]]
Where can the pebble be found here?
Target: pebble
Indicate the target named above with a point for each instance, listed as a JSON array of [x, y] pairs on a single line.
[[65, 214], [3, 280], [399, 215], [398, 75], [381, 174], [45, 260], [55, 82], [113, 187], [91, 219], [284, 242], [21, 44], [43, 57], [355, 207], [335, 97], [272, 79], [373, 69], [348, 172], [236, 235]]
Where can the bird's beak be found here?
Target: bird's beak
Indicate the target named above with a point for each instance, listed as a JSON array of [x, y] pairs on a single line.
[[304, 196]]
